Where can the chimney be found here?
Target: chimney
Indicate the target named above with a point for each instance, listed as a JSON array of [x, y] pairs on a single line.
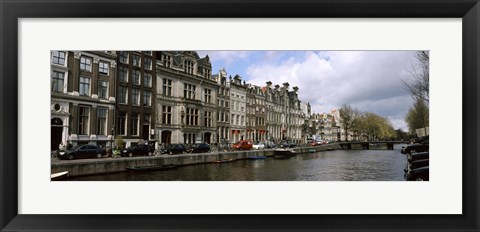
[[286, 85], [269, 83], [277, 86], [295, 88]]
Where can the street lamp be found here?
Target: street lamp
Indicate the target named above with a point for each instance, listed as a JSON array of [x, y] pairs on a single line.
[[111, 141]]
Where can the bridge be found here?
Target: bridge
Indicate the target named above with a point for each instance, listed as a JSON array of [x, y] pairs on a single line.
[[365, 145]]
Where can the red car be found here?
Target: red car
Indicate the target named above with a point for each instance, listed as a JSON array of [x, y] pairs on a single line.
[[314, 143], [243, 145]]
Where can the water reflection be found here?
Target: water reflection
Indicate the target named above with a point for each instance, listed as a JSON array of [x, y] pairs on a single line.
[[340, 165]]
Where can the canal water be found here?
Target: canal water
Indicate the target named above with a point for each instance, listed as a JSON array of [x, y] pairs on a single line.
[[338, 165]]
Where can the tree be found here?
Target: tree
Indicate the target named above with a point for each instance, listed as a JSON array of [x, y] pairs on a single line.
[[348, 117], [418, 115], [419, 85]]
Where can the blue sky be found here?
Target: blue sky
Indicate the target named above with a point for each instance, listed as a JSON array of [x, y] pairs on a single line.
[[367, 80]]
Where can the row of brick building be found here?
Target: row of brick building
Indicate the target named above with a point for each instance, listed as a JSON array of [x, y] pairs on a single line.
[[164, 97]]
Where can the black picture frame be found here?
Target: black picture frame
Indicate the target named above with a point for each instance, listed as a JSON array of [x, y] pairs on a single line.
[[11, 11]]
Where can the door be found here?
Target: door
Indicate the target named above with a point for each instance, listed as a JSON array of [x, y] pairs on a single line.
[[56, 133]]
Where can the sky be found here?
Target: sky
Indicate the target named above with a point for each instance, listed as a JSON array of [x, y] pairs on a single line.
[[370, 81]]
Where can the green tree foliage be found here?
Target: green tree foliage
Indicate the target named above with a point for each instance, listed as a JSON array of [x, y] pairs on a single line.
[[370, 126], [418, 116], [348, 117], [119, 142]]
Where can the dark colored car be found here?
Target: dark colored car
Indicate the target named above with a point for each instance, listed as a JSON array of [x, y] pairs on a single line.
[[138, 150], [416, 147], [419, 174], [287, 144], [82, 152], [418, 156], [200, 148], [175, 149]]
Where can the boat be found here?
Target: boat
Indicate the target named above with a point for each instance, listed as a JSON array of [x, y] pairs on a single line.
[[59, 175], [223, 161], [152, 167], [278, 153], [256, 157], [311, 150]]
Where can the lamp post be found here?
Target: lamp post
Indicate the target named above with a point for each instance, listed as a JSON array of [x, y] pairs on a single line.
[[111, 141]]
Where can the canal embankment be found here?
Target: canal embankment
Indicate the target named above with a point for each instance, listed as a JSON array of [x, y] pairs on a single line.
[[83, 167]]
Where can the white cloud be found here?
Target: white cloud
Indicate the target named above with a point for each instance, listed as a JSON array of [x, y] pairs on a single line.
[[368, 80]]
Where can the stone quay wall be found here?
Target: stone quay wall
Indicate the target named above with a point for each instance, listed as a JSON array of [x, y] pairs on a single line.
[[84, 167]]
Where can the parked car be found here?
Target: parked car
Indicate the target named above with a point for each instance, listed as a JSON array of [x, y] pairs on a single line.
[[270, 144], [314, 143], [175, 149], [259, 145], [243, 145], [416, 147], [200, 148], [287, 144], [419, 174], [138, 150], [82, 152]]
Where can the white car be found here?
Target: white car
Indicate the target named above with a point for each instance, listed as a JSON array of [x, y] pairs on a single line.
[[258, 146]]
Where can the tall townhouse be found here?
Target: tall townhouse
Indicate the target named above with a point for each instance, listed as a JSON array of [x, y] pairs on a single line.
[[82, 97], [256, 113], [135, 116], [223, 107], [238, 94], [186, 98], [295, 117], [250, 114]]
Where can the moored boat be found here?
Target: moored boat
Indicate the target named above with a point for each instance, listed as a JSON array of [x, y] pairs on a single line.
[[152, 167], [283, 153], [59, 175], [223, 161]]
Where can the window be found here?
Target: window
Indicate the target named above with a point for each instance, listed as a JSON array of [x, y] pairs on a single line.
[[226, 103], [207, 73], [167, 87], [84, 86], [207, 119], [58, 58], [124, 57], [188, 66], [136, 77], [166, 114], [226, 117], [57, 81], [233, 118], [134, 124], [189, 91], [102, 121], [167, 60], [192, 117], [146, 98], [122, 94], [243, 121], [103, 67], [103, 89], [86, 63], [148, 52], [208, 96], [147, 63], [147, 79], [122, 117], [136, 60], [123, 74], [238, 120], [135, 97], [83, 120]]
